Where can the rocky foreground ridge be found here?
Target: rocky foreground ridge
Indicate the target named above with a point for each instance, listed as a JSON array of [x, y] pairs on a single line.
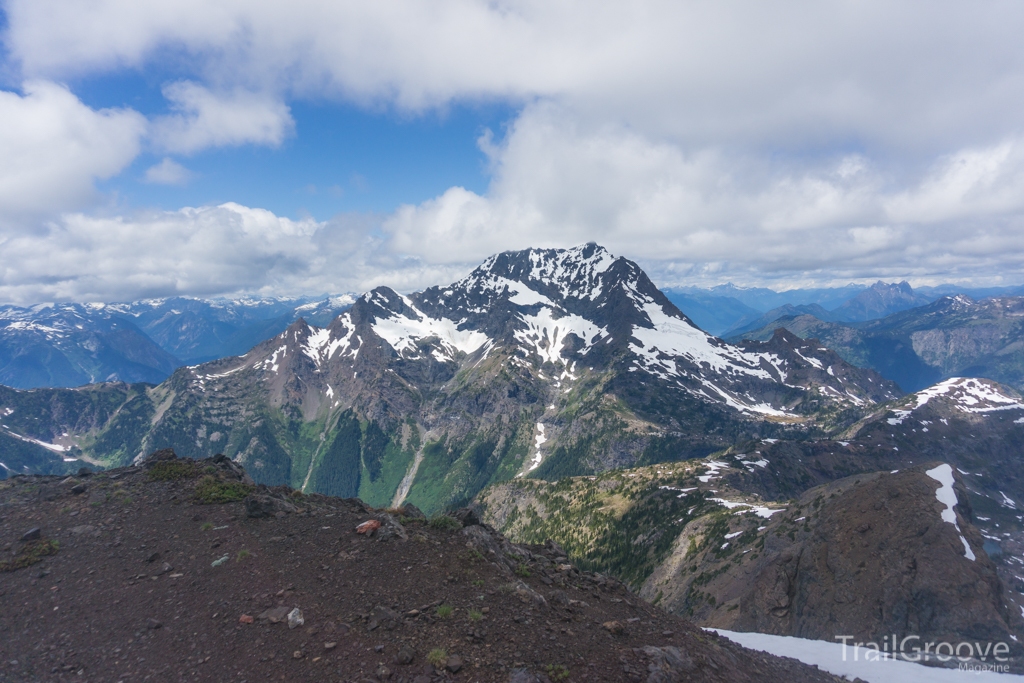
[[180, 569]]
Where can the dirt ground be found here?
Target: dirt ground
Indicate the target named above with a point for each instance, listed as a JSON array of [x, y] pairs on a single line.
[[131, 593]]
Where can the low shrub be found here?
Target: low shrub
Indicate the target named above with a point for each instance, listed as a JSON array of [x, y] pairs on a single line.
[[211, 490]]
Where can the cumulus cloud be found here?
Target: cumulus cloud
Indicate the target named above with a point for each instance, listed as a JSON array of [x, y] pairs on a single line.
[[787, 73], [790, 140], [54, 147], [711, 213], [202, 119], [168, 172], [201, 251]]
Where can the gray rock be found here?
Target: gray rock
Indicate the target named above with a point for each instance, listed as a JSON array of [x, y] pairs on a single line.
[[454, 664], [390, 528], [522, 676], [668, 664], [162, 455], [384, 617], [153, 624], [260, 505], [274, 615], [230, 468], [33, 534], [295, 618], [469, 516], [79, 489], [412, 512], [405, 655]]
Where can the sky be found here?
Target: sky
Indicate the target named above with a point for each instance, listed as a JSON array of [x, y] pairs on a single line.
[[217, 147]]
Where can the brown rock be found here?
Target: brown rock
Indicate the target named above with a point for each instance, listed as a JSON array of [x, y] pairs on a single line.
[[368, 527]]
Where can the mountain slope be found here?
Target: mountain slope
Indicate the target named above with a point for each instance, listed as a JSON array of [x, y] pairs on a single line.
[[954, 336], [540, 363], [772, 535]]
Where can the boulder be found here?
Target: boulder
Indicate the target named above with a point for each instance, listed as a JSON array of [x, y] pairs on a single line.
[[266, 505]]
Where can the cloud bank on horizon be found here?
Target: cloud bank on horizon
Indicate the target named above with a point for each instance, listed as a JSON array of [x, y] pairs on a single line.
[[788, 143]]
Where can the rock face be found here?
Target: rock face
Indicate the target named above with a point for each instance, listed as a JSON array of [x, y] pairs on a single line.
[[540, 362], [876, 559]]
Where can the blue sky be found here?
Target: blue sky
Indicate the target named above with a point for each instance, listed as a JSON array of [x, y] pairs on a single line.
[[214, 147]]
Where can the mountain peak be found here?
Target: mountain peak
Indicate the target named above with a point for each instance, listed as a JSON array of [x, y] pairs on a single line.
[[574, 273]]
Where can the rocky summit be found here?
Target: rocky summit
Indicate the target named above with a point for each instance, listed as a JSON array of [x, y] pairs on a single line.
[[177, 569], [542, 363]]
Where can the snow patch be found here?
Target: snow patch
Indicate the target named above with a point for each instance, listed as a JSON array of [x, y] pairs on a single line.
[[945, 495]]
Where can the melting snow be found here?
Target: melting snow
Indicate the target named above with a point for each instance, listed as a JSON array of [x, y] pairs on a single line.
[[538, 456], [758, 510], [545, 334], [969, 394], [733, 535], [56, 448], [945, 495], [713, 467], [831, 657], [402, 332]]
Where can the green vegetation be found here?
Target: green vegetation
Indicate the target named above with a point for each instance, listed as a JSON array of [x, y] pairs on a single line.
[[242, 554], [523, 571], [445, 523], [622, 523], [475, 615], [438, 657], [211, 490], [206, 526], [29, 554], [444, 611], [172, 470], [557, 672]]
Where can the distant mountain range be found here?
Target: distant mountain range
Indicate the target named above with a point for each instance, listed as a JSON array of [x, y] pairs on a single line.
[[540, 362], [954, 336], [66, 345], [728, 311]]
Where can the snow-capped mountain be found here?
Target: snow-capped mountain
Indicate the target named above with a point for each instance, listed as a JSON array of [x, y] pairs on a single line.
[[539, 363], [143, 341]]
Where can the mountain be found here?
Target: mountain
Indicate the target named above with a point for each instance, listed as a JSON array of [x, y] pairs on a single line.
[[908, 523], [954, 336], [544, 363], [879, 301], [787, 311], [66, 345], [73, 344], [764, 299]]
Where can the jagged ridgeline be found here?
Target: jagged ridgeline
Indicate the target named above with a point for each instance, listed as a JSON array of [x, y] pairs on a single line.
[[539, 363]]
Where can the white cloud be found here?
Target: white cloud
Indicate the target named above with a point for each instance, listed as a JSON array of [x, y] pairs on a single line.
[[168, 172], [203, 251], [753, 141], [784, 74], [713, 214], [204, 119], [54, 147]]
